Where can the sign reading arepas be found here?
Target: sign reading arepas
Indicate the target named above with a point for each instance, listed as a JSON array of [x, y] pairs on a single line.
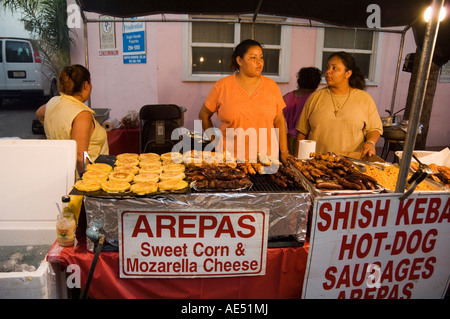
[[134, 50], [192, 243], [377, 246]]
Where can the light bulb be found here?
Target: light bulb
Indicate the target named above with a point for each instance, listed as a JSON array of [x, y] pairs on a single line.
[[427, 14]]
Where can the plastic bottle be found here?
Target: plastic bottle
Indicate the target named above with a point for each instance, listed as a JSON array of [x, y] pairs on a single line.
[[65, 224]]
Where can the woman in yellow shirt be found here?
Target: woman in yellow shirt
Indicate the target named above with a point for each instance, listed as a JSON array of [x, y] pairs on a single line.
[[249, 105], [341, 117], [67, 117]]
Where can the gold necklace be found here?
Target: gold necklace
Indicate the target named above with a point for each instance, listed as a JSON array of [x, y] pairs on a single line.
[[336, 105]]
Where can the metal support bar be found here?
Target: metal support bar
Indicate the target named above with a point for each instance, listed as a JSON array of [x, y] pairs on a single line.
[[399, 62], [255, 15], [86, 49], [86, 53], [419, 93], [257, 10], [240, 20], [402, 43]]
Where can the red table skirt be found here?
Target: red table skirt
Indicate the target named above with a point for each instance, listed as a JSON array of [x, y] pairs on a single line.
[[123, 141], [285, 269]]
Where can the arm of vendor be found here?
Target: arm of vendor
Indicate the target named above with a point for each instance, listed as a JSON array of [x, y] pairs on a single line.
[[82, 128]]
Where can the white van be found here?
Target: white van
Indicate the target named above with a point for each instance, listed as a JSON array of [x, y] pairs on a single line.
[[22, 74]]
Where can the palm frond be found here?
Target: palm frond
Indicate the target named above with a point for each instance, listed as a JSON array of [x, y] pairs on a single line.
[[47, 22]]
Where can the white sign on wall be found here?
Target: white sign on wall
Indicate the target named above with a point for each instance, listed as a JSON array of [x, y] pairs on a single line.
[[169, 244], [107, 34], [376, 246]]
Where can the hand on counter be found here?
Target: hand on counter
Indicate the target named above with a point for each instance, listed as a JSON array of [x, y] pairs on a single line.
[[284, 157], [368, 149]]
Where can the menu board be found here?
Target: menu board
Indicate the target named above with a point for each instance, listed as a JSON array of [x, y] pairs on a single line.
[[379, 247]]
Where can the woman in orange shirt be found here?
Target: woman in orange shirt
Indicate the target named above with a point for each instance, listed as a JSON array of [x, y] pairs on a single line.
[[250, 107]]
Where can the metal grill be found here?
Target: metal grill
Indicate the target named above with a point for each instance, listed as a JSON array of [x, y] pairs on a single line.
[[263, 183]]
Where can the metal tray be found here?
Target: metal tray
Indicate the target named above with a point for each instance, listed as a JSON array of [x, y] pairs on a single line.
[[310, 187], [110, 160], [435, 186], [127, 194]]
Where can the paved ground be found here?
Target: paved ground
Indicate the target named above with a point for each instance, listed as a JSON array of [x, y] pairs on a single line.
[[16, 117]]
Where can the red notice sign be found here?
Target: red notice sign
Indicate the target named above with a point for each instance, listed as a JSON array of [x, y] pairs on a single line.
[[192, 243], [376, 246]]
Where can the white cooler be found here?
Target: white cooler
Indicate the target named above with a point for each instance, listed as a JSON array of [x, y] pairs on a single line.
[[34, 176]]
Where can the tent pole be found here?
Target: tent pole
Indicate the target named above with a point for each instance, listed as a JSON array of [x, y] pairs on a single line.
[[419, 93], [399, 62], [255, 14], [86, 49], [86, 52], [85, 35]]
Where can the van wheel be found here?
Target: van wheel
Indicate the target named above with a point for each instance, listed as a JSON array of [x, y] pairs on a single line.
[[1, 101]]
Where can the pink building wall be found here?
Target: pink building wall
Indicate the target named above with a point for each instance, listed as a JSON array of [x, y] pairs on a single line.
[[123, 87]]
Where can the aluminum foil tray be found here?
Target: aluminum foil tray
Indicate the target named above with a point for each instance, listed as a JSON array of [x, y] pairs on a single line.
[[288, 210], [315, 192]]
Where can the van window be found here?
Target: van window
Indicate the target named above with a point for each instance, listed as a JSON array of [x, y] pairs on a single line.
[[18, 51], [1, 51]]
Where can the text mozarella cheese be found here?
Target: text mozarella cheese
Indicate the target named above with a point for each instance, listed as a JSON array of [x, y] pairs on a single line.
[[185, 265], [368, 213], [195, 226]]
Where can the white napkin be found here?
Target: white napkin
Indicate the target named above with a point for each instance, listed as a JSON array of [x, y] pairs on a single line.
[[441, 158]]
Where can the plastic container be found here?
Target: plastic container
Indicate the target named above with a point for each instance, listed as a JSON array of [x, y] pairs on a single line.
[[66, 225], [101, 115]]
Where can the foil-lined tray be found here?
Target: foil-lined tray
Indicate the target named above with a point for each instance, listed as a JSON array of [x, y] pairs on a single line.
[[126, 194], [429, 182], [110, 160], [288, 210], [316, 192]]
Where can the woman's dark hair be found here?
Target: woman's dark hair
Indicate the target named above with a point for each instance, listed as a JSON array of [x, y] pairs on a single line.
[[357, 79], [71, 79], [240, 51], [309, 78]]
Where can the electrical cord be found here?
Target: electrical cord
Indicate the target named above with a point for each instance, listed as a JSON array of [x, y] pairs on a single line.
[[101, 241]]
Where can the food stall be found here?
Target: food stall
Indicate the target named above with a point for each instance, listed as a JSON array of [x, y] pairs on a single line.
[[275, 268], [229, 225], [227, 216]]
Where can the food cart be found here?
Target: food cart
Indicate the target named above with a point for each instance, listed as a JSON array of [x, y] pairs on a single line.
[[194, 239], [284, 268], [259, 229]]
